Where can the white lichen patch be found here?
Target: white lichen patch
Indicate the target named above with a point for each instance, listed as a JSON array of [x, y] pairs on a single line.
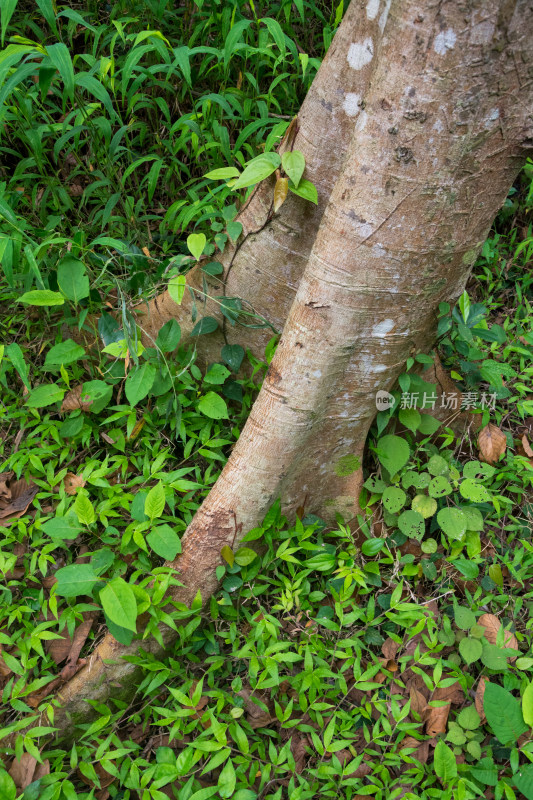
[[360, 53], [383, 328], [372, 8], [444, 41], [351, 104], [360, 125], [492, 117], [384, 15]]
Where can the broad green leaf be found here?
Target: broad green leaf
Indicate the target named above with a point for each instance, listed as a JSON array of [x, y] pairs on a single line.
[[410, 417], [8, 790], [62, 528], [474, 491], [470, 649], [305, 189], [393, 453], [97, 394], [176, 288], [217, 374], [473, 518], [228, 555], [165, 542], [444, 763], [169, 336], [412, 524], [63, 353], [464, 618], [257, 170], [469, 718], [223, 174], [83, 508], [196, 243], [393, 499], [42, 297], [59, 55], [245, 556], [154, 504], [75, 580], [213, 406], [233, 355], [523, 780], [72, 279], [527, 704], [139, 382], [45, 395], [453, 522], [424, 505], [494, 657], [14, 354], [293, 162], [503, 713], [119, 603], [227, 780], [439, 486], [438, 466], [428, 424]]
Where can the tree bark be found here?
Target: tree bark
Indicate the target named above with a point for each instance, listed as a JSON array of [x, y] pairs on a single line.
[[422, 171]]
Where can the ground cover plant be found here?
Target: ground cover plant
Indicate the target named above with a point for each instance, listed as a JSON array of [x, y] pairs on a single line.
[[392, 658]]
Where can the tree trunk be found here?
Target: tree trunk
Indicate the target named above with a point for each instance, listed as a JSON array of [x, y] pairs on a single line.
[[409, 187]]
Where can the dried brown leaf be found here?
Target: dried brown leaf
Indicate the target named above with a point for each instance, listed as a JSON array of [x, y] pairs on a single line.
[[480, 693], [492, 443], [73, 482], [528, 450], [280, 192], [437, 719], [492, 625], [74, 400], [298, 745], [22, 771], [418, 701], [256, 714], [22, 494], [389, 648]]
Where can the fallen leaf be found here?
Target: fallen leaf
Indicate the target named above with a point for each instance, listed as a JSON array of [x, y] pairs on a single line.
[[257, 716], [389, 648], [22, 494], [22, 771], [492, 443], [418, 701], [480, 693], [280, 193], [528, 450], [298, 745], [422, 748], [80, 636], [492, 625], [73, 400], [73, 482], [437, 717]]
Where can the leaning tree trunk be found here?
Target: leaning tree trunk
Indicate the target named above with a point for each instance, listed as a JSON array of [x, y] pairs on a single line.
[[432, 147]]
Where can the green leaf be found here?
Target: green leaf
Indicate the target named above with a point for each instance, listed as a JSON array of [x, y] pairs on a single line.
[[169, 336], [410, 417], [438, 466], [154, 504], [139, 382], [464, 618], [473, 518], [393, 453], [233, 355], [424, 505], [412, 524], [119, 603], [14, 354], [527, 704], [165, 542], [8, 790], [98, 394], [61, 528], [223, 174], [83, 508], [45, 395], [60, 57], [469, 718], [227, 780], [393, 499], [257, 170], [213, 406], [444, 763], [470, 649], [305, 189], [494, 657], [293, 162], [474, 491], [439, 486], [63, 353], [503, 713], [42, 297], [72, 279], [176, 288], [217, 374], [245, 556], [7, 7], [196, 243], [228, 555], [428, 424], [523, 780], [75, 580], [453, 522], [204, 326]]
